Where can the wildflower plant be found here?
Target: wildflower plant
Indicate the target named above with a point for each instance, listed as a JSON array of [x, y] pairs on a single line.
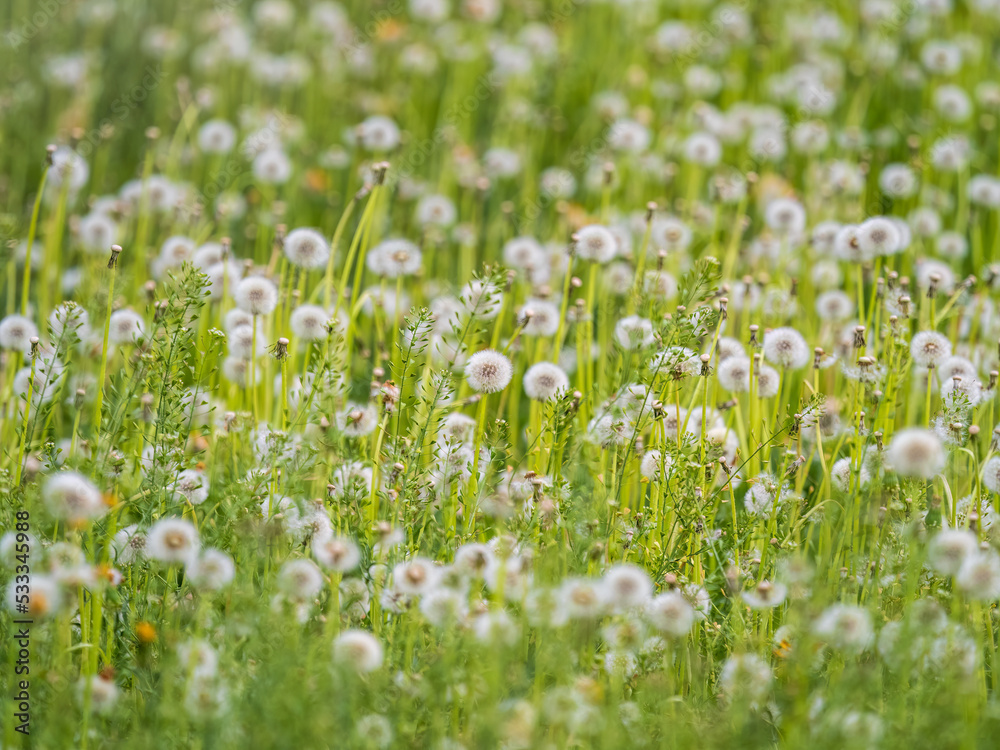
[[482, 373]]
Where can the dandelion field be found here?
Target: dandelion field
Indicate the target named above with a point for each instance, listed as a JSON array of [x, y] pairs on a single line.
[[494, 373]]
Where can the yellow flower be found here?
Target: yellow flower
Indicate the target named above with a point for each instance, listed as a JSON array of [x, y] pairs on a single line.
[[145, 632]]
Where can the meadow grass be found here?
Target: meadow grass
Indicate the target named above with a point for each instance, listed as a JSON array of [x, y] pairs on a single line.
[[499, 374]]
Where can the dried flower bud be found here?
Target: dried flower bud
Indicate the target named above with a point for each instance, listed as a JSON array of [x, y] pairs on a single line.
[[115, 252]]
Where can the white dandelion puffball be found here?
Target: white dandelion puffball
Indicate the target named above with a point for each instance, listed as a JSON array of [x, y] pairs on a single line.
[[785, 216], [216, 137], [394, 258], [929, 349], [72, 497], [359, 650], [378, 133], [309, 322], [300, 579], [991, 474], [524, 254], [845, 627], [916, 452], [192, 485], [879, 236], [702, 149], [734, 374], [652, 461], [949, 549], [272, 166], [256, 295], [766, 595], [172, 540], [626, 587], [97, 232], [787, 348], [357, 420], [671, 614], [746, 676], [212, 570], [436, 210], [16, 333], [633, 332], [540, 317], [489, 371], [69, 317], [596, 243], [545, 381], [307, 248], [768, 381], [481, 299], [337, 553], [415, 576], [126, 327], [979, 576], [68, 168]]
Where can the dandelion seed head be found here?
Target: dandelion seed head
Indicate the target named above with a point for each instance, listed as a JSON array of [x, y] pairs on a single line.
[[915, 452], [192, 485], [652, 461], [702, 149], [16, 332], [394, 258], [582, 598], [845, 627], [212, 570], [671, 234], [545, 381], [126, 327], [633, 332], [306, 248], [97, 232], [300, 580], [991, 474], [524, 254], [835, 306], [626, 587], [256, 295], [949, 549], [785, 216], [357, 420], [841, 471], [768, 381], [596, 243], [309, 322], [337, 553], [217, 137], [978, 578], [878, 236], [733, 373], [929, 349], [671, 614], [787, 348], [101, 693], [415, 576], [172, 541], [272, 166], [932, 274], [73, 498], [766, 595], [488, 371]]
